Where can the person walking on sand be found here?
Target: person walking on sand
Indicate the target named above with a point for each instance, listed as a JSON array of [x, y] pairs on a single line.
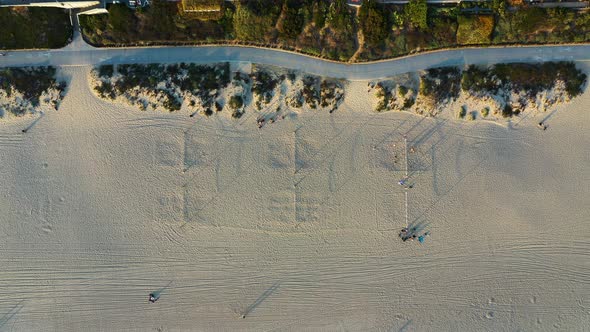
[[422, 237], [404, 233], [153, 298]]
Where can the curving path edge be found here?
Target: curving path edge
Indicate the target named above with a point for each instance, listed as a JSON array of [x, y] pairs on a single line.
[[69, 56]]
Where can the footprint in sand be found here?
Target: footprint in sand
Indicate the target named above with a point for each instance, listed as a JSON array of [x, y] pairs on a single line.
[[47, 229]]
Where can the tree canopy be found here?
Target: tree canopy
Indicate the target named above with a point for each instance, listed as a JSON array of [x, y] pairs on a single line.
[[416, 12], [373, 22]]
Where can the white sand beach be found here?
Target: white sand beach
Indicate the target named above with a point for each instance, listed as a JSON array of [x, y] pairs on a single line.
[[293, 227]]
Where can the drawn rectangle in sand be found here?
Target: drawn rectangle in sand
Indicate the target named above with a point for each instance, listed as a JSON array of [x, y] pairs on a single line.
[[390, 211], [167, 152], [280, 207], [200, 190], [170, 208], [388, 155], [308, 206]]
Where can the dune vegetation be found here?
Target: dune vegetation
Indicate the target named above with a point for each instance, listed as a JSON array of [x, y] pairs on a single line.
[[210, 89], [497, 91], [25, 90], [334, 30], [34, 27]]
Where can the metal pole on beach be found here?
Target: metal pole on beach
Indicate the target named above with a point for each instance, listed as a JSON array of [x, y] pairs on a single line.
[[406, 153]]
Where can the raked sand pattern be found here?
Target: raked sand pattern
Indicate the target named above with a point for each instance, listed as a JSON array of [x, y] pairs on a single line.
[[294, 227]]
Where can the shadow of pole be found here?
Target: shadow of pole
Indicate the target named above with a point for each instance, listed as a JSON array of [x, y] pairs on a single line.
[[406, 325], [33, 123], [11, 313], [260, 299], [549, 116]]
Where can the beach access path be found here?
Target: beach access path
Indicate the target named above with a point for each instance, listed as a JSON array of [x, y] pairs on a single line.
[[80, 54]]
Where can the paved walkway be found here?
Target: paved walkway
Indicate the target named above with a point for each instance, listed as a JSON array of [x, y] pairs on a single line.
[[77, 44], [80, 56]]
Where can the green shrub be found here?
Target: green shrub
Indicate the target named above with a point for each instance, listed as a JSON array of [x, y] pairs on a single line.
[[30, 81], [416, 13], [536, 77], [328, 93], [339, 15], [328, 28], [105, 90], [311, 94], [499, 7], [34, 27], [105, 71], [529, 19], [479, 79], [402, 90], [296, 100], [319, 10], [475, 29], [373, 22], [198, 80], [263, 85], [485, 111], [462, 112], [171, 103], [397, 19], [291, 21], [236, 102], [409, 103], [254, 21], [441, 83], [121, 18], [236, 114], [528, 77], [507, 111]]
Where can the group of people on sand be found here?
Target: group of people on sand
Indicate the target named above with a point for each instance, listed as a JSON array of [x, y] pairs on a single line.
[[261, 121], [412, 234]]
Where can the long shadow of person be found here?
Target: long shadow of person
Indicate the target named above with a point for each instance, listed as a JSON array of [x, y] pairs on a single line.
[[155, 295], [413, 231]]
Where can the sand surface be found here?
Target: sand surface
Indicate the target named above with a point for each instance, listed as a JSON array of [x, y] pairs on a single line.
[[294, 226]]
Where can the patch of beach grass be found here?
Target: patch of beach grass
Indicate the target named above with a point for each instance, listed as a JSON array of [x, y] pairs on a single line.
[[475, 29]]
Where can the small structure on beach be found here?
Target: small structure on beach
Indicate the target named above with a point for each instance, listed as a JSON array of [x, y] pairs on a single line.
[[201, 9]]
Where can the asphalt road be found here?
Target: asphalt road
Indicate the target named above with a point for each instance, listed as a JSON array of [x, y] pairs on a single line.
[[81, 56]]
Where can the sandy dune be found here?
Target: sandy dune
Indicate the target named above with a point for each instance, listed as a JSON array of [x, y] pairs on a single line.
[[294, 226]]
